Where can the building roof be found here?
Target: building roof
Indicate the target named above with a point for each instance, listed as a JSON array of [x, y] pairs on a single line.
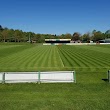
[[57, 39]]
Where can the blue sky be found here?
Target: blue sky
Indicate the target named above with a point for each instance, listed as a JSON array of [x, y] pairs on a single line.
[[55, 16]]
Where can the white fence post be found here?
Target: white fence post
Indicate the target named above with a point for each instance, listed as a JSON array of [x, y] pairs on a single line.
[[39, 77], [109, 76], [74, 75], [3, 78]]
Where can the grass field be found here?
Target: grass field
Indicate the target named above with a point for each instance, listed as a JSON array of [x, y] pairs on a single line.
[[89, 93]]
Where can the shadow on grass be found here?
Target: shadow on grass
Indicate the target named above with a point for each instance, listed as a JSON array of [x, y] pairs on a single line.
[[106, 80]]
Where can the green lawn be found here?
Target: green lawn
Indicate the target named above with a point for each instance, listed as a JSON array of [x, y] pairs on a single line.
[[89, 93], [41, 58]]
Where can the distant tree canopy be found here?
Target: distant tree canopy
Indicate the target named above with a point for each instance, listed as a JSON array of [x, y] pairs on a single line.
[[1, 29], [85, 37], [76, 36], [11, 35]]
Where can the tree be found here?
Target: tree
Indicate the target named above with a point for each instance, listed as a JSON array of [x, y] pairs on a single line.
[[97, 35], [76, 36], [25, 37], [18, 35], [1, 37], [1, 28], [107, 34], [68, 36], [11, 35], [4, 34], [62, 36], [40, 38], [85, 37]]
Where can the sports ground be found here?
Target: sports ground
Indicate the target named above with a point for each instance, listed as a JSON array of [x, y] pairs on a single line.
[[91, 63]]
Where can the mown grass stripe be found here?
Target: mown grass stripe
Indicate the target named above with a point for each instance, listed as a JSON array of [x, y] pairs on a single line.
[[60, 58], [82, 58], [90, 58], [74, 58], [63, 57], [34, 62]]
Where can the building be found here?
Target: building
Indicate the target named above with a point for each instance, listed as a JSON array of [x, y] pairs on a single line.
[[60, 41], [104, 41]]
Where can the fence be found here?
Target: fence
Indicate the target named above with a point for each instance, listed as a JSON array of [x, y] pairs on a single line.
[[40, 77], [108, 76]]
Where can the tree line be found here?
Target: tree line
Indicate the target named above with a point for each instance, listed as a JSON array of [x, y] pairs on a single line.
[[11, 35]]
